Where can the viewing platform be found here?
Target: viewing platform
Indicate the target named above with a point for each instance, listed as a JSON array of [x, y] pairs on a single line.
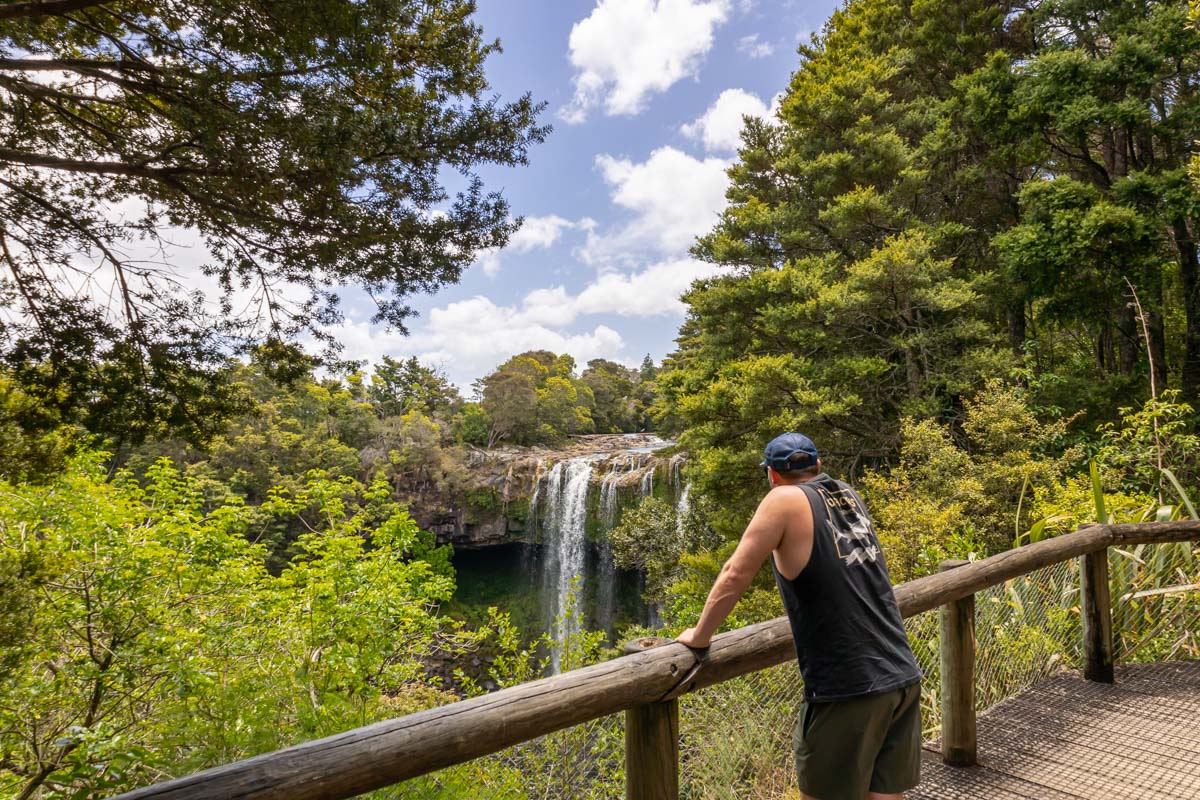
[[1068, 738]]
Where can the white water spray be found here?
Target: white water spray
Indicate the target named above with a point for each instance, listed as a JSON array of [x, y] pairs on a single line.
[[681, 509], [565, 494]]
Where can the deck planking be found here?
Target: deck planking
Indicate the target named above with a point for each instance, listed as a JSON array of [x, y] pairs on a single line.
[[1069, 739]]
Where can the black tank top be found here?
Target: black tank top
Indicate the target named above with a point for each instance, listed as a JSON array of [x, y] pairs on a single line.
[[850, 640]]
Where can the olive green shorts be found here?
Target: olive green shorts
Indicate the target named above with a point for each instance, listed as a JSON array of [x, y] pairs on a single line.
[[873, 742]]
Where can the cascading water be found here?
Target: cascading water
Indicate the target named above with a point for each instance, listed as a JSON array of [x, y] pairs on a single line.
[[606, 587], [648, 482], [681, 509], [537, 490], [564, 494], [546, 494], [610, 496], [610, 493], [675, 468], [579, 579], [682, 490]]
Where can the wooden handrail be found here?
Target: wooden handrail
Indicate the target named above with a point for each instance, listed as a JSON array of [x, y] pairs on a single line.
[[388, 752]]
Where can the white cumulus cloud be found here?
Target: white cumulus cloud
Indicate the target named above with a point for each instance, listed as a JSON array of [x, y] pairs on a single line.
[[754, 47], [627, 50], [651, 292], [654, 291], [674, 197], [719, 128], [539, 232], [469, 338], [472, 337], [534, 233]]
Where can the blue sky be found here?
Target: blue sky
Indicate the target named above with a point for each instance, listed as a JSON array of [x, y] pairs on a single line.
[[646, 98]]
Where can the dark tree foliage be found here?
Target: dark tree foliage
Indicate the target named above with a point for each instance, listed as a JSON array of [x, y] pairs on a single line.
[[951, 191], [614, 403], [398, 387], [310, 146]]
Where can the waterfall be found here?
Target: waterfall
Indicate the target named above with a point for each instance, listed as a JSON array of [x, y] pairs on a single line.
[[565, 494], [610, 494], [558, 516], [682, 504], [654, 619], [549, 487], [681, 508], [676, 468], [606, 588]]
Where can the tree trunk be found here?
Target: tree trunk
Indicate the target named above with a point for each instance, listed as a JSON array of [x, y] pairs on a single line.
[[1189, 273], [1016, 326], [1104, 354], [1129, 340]]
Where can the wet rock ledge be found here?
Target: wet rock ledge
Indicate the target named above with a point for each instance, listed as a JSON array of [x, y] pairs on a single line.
[[495, 506]]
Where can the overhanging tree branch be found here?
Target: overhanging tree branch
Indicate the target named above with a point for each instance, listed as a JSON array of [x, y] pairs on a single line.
[[99, 167], [75, 64], [46, 8]]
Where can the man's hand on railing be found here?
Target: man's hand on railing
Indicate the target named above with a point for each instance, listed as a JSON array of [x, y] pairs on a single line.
[[692, 639]]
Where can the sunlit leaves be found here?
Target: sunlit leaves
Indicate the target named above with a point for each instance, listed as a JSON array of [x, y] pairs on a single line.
[[150, 637]]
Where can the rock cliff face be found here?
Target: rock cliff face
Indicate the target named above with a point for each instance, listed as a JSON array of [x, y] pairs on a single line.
[[495, 506]]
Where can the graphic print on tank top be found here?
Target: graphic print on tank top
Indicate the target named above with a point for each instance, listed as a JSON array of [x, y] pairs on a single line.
[[853, 534]]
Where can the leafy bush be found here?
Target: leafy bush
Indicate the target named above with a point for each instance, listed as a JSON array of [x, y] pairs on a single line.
[[950, 495], [150, 639], [653, 538]]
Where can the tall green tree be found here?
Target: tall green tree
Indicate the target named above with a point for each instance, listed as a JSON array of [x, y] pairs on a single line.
[[952, 190], [398, 387], [613, 390], [535, 398], [855, 296], [310, 145], [1107, 94], [509, 396]]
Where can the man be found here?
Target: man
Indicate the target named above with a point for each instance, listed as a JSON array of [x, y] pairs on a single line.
[[859, 729]]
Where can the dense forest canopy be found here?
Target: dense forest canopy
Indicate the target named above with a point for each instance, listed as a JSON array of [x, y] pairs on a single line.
[[953, 192], [177, 606]]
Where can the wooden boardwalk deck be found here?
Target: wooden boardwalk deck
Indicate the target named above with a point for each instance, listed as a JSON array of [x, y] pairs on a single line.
[[1066, 738]]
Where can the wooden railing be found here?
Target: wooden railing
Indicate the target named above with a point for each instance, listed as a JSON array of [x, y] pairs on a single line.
[[645, 684]]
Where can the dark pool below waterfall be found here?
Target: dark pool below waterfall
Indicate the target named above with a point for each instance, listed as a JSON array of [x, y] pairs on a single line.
[[511, 578]]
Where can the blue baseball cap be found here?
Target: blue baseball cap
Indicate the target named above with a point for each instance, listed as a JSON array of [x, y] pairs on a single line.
[[789, 451]]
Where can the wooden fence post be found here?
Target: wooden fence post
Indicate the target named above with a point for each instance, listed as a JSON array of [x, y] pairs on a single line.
[[958, 677], [1096, 608], [651, 742]]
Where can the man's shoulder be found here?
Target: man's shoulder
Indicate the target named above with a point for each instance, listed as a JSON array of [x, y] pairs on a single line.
[[788, 498], [785, 493]]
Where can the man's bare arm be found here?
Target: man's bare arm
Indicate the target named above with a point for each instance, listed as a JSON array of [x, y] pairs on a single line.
[[763, 535]]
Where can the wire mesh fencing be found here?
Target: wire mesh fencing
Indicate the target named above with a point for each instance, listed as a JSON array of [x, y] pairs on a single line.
[[736, 737], [1156, 601]]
